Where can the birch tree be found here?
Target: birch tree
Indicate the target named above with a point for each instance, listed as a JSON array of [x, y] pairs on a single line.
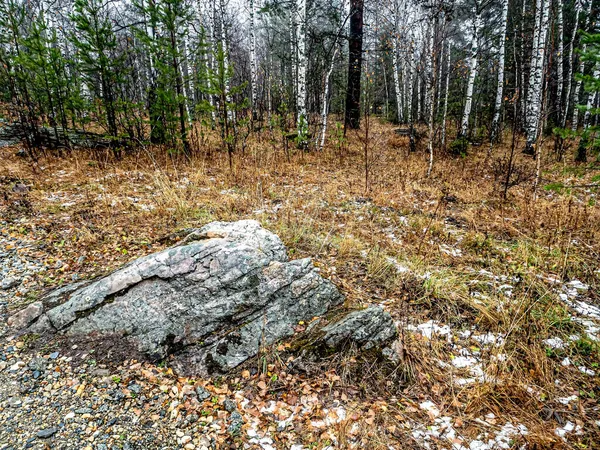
[[446, 92], [472, 63], [253, 65], [579, 83], [395, 68], [564, 114], [500, 83], [536, 78], [559, 55], [302, 121]]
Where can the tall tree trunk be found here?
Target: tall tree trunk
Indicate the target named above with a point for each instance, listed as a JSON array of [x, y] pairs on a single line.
[[523, 90], [224, 49], [302, 121], [447, 91], [564, 114], [395, 67], [536, 78], [352, 116], [253, 65], [431, 83], [477, 24], [591, 101], [579, 85], [559, 57], [500, 84]]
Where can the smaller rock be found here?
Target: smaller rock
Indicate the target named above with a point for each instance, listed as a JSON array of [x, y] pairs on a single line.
[[202, 393], [54, 355], [48, 432], [236, 422], [367, 328], [229, 405], [26, 316], [9, 282]]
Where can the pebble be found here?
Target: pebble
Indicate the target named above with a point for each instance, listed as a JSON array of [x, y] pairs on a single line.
[[48, 432], [202, 393]]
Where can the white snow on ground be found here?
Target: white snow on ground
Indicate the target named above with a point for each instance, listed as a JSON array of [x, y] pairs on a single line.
[[569, 427], [443, 430], [465, 357], [567, 400], [429, 328]]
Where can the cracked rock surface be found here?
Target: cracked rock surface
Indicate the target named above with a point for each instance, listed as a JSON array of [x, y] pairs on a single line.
[[212, 301]]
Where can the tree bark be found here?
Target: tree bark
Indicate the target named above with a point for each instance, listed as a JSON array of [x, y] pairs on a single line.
[[500, 84], [536, 79], [477, 24], [352, 116], [564, 114]]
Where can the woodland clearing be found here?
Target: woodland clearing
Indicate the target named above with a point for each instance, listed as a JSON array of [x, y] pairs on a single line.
[[496, 300]]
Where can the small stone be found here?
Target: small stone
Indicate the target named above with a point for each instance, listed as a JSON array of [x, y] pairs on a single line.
[[48, 432], [8, 283], [236, 422], [84, 411], [36, 374], [54, 355], [189, 446], [136, 388], [229, 405], [186, 439], [24, 317], [70, 415], [202, 393]]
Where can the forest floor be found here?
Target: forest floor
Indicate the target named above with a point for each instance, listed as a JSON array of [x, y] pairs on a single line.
[[497, 301]]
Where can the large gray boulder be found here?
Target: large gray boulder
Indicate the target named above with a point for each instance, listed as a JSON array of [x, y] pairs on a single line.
[[212, 300]]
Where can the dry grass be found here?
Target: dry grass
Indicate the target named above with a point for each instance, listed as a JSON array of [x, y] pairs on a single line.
[[359, 234]]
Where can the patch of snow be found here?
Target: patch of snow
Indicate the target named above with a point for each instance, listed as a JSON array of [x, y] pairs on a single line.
[[567, 400], [555, 342], [569, 427], [430, 408], [587, 371], [452, 251], [461, 362], [399, 267], [428, 329]]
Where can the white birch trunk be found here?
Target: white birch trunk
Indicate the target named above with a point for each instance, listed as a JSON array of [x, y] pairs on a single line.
[[477, 24], [223, 43], [321, 144], [395, 67], [559, 55], [579, 84], [564, 114], [536, 78], [253, 65], [418, 74], [326, 100], [409, 97], [397, 79], [523, 91], [447, 91], [431, 74], [591, 100], [500, 84], [302, 63]]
